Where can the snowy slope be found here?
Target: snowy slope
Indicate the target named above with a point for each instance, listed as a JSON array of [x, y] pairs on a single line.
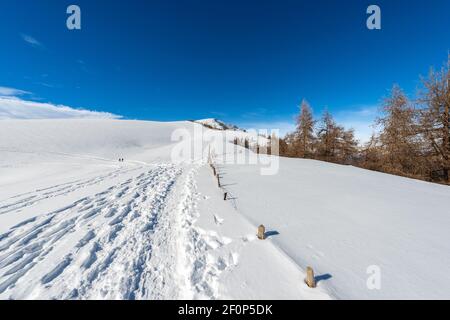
[[75, 223], [216, 124], [341, 220], [230, 132]]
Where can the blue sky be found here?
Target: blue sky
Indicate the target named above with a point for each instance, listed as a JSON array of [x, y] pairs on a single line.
[[245, 62]]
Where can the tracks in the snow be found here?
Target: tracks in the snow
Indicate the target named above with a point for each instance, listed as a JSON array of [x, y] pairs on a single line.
[[28, 199], [134, 240], [97, 247]]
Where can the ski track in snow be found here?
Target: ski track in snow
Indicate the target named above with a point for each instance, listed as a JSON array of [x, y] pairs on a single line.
[[134, 240], [21, 201], [103, 216], [108, 261]]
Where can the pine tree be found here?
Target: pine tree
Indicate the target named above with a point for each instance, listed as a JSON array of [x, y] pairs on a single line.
[[348, 148], [435, 118], [399, 146], [370, 155], [283, 147], [327, 136], [289, 145], [304, 134]]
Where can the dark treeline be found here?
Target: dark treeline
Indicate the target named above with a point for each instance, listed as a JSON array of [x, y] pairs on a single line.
[[412, 140]]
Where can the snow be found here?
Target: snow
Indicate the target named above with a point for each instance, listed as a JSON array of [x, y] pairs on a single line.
[[216, 124], [341, 220], [231, 132], [75, 223]]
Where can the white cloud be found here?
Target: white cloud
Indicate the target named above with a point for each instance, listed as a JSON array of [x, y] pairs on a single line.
[[17, 108], [31, 41], [5, 91]]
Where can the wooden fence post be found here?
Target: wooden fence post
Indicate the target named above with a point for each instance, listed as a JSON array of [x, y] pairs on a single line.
[[218, 181], [225, 196], [310, 280], [261, 232]]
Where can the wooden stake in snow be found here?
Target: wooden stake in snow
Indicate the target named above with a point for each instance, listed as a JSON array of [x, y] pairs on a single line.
[[225, 196], [218, 181], [261, 232], [310, 280], [214, 171]]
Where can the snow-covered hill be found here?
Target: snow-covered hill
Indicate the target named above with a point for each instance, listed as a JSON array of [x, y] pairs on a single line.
[[231, 132], [348, 222], [75, 223], [216, 124]]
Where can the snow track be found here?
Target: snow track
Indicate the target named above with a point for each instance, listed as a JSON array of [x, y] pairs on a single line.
[[121, 243], [28, 199], [201, 260]]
